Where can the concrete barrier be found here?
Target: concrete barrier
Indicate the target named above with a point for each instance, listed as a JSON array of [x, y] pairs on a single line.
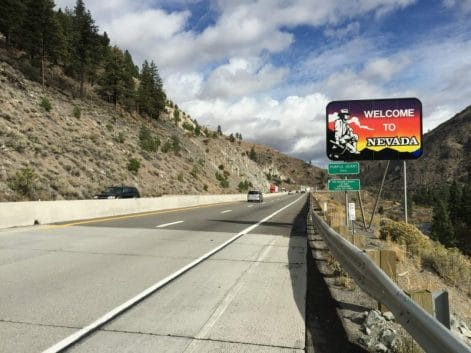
[[17, 214]]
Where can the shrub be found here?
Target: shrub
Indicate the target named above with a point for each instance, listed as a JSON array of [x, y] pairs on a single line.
[[188, 126], [76, 112], [180, 177], [147, 141], [134, 165], [45, 104], [23, 182], [244, 186], [176, 116], [31, 73], [194, 171], [176, 144], [222, 180], [166, 147], [120, 137], [205, 187]]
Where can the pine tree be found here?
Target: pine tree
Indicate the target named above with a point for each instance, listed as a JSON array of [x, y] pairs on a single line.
[[219, 131], [253, 154], [454, 203], [158, 95], [84, 42], [112, 80], [150, 95], [442, 228], [144, 91], [465, 211], [12, 14], [42, 35]]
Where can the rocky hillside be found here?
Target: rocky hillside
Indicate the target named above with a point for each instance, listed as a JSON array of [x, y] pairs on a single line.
[[56, 146], [446, 158]]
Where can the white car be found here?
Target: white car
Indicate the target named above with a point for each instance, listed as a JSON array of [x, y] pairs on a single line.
[[255, 195]]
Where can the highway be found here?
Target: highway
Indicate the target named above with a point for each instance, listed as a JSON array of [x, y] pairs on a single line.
[[112, 281]]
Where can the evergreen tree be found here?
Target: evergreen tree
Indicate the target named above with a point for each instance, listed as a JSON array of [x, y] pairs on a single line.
[[113, 78], [158, 95], [150, 95], [65, 22], [219, 131], [84, 42], [117, 80], [454, 203], [144, 91], [253, 154], [132, 69], [12, 14], [465, 211], [442, 228], [42, 35]]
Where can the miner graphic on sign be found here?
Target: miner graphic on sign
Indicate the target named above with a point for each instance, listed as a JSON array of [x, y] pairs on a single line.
[[345, 139]]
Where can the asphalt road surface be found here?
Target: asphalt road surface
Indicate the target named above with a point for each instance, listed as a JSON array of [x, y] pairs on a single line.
[[110, 282]]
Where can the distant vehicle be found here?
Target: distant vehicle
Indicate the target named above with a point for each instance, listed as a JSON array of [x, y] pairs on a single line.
[[119, 192], [273, 188], [255, 195]]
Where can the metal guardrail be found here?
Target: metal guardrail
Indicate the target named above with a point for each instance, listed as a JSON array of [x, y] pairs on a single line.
[[429, 333]]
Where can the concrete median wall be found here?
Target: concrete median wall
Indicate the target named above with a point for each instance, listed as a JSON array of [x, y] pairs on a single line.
[[17, 214]]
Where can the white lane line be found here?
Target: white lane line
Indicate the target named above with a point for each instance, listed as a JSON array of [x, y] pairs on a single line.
[[250, 206], [168, 224], [226, 211], [73, 338]]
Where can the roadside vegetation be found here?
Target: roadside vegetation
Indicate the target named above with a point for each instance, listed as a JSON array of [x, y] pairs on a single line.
[[449, 263]]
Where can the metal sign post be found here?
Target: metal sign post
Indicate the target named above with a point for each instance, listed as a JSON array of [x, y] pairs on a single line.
[[351, 215], [405, 192]]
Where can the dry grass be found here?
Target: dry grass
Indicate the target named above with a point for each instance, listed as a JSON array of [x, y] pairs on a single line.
[[449, 264]]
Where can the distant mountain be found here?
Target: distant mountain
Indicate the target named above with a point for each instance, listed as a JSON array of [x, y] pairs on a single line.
[[446, 157], [57, 146]]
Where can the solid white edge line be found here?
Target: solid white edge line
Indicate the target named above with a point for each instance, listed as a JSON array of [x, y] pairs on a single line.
[[168, 224], [226, 211], [66, 342]]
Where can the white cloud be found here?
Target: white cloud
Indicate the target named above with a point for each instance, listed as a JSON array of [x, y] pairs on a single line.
[[293, 125], [241, 77], [461, 5], [352, 29], [383, 69]]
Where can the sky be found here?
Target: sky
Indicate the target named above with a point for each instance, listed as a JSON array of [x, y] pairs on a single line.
[[267, 69]]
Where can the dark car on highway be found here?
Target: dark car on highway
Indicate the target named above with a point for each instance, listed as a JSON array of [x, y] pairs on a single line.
[[119, 192]]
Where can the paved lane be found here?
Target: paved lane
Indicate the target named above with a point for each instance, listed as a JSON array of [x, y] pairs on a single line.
[[57, 280]]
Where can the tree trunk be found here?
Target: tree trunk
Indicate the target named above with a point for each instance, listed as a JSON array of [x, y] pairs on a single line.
[[81, 83], [42, 62]]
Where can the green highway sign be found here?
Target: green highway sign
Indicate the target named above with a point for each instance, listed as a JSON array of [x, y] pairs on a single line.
[[343, 184], [344, 168]]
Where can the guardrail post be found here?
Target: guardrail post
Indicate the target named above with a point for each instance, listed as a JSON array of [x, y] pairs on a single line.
[[435, 303], [386, 260]]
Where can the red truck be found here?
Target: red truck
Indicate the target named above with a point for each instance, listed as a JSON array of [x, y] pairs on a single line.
[[273, 188]]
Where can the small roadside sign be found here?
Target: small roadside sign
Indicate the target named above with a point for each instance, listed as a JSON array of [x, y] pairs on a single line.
[[351, 211], [344, 168], [343, 184]]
